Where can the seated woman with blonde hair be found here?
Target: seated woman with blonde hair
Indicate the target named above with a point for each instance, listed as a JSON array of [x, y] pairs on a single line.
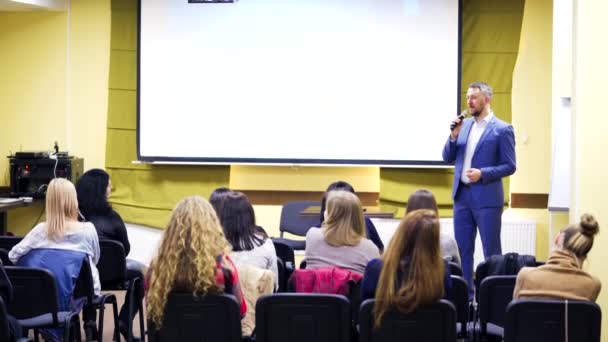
[[341, 241], [192, 257], [411, 272], [62, 231], [562, 276], [60, 245]]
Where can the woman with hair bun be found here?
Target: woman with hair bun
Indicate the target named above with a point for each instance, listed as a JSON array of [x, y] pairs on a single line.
[[562, 276]]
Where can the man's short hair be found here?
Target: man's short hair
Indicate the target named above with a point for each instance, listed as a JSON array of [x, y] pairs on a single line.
[[483, 87]]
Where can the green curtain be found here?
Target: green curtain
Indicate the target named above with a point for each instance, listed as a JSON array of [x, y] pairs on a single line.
[[490, 42], [143, 194]]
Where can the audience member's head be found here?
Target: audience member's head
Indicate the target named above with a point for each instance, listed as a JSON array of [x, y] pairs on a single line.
[[413, 270], [94, 188], [421, 199], [187, 256], [238, 221], [339, 185], [61, 206], [217, 199], [578, 238], [344, 224]]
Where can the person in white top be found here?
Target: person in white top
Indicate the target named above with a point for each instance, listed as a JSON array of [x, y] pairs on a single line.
[[62, 229], [250, 243], [482, 149], [424, 199], [341, 241]]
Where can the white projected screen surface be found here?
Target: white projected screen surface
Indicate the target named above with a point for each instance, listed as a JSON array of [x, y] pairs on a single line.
[[337, 81]]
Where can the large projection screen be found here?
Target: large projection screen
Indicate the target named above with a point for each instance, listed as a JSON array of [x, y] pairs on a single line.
[[353, 82]]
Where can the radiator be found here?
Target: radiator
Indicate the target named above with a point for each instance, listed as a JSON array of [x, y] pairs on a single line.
[[517, 234]]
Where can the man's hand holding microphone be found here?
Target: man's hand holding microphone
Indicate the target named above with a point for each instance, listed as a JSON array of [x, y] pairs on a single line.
[[456, 124]]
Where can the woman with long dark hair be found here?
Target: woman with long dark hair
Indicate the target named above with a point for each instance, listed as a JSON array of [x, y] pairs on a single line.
[[250, 243], [94, 188]]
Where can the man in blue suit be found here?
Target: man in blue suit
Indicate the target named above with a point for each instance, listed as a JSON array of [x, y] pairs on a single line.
[[483, 150]]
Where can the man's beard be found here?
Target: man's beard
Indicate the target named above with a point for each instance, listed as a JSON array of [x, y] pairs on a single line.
[[475, 113]]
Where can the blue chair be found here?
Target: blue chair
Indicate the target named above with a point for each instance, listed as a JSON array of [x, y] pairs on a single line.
[[36, 303], [294, 223]]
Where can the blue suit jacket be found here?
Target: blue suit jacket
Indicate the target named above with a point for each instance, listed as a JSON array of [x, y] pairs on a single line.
[[494, 155]]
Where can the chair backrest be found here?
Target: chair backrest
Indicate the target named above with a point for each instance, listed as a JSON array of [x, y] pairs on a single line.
[[435, 322], [496, 292], [112, 265], [34, 292], [459, 296], [4, 257], [4, 329], [282, 276], [294, 223], [285, 252], [303, 317], [455, 269], [198, 318], [547, 321], [64, 265], [84, 284], [8, 242], [505, 264]]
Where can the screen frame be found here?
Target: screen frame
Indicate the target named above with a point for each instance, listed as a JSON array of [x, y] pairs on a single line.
[[287, 161]]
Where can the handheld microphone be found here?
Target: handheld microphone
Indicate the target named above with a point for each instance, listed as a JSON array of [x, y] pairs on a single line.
[[462, 115]]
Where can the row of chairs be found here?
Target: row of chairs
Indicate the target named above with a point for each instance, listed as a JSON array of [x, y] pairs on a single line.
[[327, 318], [35, 302]]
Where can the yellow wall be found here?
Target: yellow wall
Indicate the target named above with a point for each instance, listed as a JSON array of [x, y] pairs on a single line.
[[591, 161], [302, 178], [54, 86], [531, 101], [52, 92], [33, 87]]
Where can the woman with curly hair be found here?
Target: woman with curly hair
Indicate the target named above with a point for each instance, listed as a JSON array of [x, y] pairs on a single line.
[[192, 257]]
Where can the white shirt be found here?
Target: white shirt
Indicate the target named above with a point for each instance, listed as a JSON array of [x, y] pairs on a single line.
[[264, 257], [474, 135]]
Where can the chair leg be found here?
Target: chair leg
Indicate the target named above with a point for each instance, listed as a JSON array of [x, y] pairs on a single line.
[[140, 298], [142, 329], [102, 310], [130, 311], [115, 310]]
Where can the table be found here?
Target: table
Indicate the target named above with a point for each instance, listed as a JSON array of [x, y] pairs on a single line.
[[4, 208], [371, 212]]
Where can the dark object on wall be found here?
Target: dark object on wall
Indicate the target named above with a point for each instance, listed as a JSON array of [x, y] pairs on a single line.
[[31, 172]]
